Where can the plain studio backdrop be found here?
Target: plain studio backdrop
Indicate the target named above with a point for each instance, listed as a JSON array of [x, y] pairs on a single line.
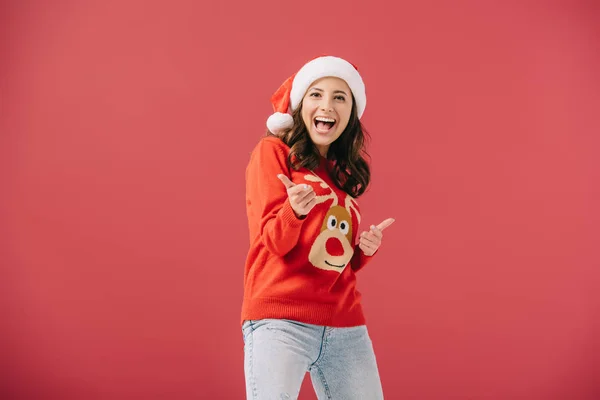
[[125, 130]]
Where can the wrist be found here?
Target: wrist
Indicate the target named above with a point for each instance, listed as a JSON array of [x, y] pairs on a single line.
[[299, 216]]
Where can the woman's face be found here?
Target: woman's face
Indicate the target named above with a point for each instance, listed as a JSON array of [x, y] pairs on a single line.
[[326, 109]]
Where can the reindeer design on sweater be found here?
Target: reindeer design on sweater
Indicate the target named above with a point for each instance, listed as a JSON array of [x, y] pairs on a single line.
[[333, 249]]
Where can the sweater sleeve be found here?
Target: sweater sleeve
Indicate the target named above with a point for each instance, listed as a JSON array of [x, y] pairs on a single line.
[[360, 259], [278, 226]]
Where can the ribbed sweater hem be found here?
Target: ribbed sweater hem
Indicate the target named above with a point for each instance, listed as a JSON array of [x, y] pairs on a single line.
[[302, 311]]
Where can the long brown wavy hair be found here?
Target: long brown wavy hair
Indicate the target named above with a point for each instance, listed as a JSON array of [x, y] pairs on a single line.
[[350, 172]]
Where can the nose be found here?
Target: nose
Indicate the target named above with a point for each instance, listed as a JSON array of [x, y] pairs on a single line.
[[326, 104]]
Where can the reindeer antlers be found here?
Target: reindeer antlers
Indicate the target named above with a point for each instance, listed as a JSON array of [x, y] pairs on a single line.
[[350, 203], [324, 185]]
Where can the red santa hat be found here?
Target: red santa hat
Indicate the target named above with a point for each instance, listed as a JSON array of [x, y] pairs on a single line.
[[290, 94]]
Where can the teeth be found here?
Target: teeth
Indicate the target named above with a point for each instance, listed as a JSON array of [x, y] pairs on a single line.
[[323, 119]]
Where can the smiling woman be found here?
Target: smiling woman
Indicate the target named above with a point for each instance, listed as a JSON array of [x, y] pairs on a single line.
[[301, 310], [325, 90]]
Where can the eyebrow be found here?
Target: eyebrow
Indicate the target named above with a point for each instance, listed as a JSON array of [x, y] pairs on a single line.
[[334, 92]]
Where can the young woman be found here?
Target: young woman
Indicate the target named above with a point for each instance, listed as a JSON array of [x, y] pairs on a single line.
[[301, 310]]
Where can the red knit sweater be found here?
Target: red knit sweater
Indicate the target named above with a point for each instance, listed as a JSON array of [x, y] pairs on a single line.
[[300, 269]]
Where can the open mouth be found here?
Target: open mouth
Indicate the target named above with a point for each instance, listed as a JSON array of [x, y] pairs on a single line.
[[324, 125], [333, 265]]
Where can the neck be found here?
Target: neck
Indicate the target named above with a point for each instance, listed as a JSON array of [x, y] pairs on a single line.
[[323, 150]]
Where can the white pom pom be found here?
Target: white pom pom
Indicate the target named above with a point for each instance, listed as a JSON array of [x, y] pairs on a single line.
[[279, 122]]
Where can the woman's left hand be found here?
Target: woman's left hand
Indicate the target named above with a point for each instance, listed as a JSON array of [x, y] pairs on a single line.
[[370, 241]]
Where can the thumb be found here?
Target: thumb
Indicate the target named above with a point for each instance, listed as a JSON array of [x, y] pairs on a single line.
[[385, 223], [286, 181]]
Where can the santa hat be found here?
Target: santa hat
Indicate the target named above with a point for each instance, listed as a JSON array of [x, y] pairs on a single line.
[[290, 94]]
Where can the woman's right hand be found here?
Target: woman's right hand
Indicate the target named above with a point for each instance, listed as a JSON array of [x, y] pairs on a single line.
[[302, 197]]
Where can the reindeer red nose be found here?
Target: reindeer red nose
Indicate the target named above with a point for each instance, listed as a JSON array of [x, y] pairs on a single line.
[[334, 247]]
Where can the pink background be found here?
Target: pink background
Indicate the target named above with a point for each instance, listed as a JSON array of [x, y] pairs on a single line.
[[125, 128]]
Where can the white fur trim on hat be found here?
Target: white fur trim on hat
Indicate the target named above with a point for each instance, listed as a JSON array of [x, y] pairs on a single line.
[[328, 66]]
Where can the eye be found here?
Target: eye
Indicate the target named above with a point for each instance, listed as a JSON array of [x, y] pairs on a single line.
[[331, 223], [341, 98], [315, 94], [344, 227]]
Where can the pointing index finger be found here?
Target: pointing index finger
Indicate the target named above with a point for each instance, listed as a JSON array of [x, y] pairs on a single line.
[[385, 224]]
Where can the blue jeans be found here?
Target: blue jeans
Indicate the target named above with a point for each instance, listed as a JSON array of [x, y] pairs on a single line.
[[279, 352]]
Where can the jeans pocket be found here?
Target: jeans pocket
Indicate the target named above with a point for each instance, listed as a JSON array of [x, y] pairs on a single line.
[[251, 325], [246, 329]]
